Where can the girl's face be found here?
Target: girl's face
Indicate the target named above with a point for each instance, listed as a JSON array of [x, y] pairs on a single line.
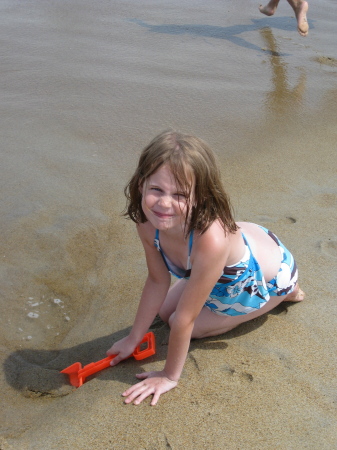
[[164, 203]]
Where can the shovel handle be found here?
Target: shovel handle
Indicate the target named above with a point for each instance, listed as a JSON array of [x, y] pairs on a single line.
[[77, 374]]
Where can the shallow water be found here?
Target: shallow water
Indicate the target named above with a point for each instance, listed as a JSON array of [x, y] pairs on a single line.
[[85, 85]]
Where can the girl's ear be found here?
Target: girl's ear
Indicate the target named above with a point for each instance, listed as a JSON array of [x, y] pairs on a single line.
[[140, 187]]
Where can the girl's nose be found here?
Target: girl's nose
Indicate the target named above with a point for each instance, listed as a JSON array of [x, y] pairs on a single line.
[[165, 200]]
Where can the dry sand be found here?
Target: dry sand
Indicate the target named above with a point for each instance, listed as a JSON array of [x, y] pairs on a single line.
[[86, 87]]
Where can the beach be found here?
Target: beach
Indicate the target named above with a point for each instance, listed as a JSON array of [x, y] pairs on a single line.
[[85, 86]]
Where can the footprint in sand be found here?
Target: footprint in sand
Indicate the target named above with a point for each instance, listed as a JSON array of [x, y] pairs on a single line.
[[326, 60], [237, 374], [329, 248]]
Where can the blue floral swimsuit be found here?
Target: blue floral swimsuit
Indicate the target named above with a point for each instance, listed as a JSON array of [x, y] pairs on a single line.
[[242, 289]]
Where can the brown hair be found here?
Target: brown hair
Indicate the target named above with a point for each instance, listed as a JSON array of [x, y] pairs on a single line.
[[190, 159]]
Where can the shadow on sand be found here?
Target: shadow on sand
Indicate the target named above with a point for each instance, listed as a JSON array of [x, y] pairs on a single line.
[[36, 373], [231, 33]]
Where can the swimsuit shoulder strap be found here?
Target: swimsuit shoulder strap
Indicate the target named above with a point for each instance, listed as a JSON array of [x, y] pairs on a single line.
[[156, 240], [190, 243], [245, 241]]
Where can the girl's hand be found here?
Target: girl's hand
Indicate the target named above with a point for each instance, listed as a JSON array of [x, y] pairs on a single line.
[[122, 349], [155, 383]]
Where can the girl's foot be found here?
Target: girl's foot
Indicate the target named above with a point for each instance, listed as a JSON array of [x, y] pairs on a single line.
[[296, 296], [300, 9], [269, 9]]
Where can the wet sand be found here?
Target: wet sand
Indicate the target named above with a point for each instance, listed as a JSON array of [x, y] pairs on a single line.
[[84, 88]]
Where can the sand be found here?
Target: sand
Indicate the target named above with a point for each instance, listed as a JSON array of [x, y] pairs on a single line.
[[85, 87]]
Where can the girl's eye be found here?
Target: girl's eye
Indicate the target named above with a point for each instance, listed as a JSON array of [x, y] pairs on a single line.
[[181, 195], [155, 189]]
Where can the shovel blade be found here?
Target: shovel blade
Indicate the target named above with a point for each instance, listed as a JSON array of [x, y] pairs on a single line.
[[73, 371]]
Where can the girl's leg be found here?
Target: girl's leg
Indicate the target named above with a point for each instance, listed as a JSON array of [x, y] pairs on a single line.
[[300, 8], [211, 324], [170, 303]]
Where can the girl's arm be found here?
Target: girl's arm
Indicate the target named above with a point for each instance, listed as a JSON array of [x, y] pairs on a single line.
[[211, 257], [207, 268], [154, 292]]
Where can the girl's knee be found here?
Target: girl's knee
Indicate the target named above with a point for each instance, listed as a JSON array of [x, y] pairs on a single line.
[[170, 320], [166, 315], [171, 300]]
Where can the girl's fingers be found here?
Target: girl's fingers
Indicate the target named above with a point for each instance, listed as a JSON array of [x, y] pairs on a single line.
[[155, 398], [115, 361], [138, 394], [135, 390], [143, 375], [151, 385], [143, 396], [130, 390]]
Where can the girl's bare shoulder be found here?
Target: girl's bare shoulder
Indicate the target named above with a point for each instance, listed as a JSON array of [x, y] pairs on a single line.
[[229, 247], [215, 236], [214, 241]]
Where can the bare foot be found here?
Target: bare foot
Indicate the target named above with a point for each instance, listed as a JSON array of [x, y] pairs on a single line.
[[300, 10], [269, 9], [296, 296]]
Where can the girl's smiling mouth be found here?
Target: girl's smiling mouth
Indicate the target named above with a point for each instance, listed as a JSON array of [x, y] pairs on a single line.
[[163, 215]]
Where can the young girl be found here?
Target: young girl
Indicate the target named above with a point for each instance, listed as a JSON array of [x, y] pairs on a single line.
[[228, 273]]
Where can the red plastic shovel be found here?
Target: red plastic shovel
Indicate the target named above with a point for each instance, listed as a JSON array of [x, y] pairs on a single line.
[[78, 374]]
